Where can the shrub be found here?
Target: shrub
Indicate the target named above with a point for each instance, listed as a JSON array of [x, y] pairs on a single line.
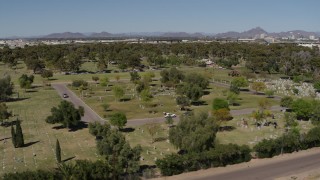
[[286, 101], [78, 83], [219, 103]]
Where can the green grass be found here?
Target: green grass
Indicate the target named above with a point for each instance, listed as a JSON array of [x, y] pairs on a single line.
[[40, 136]]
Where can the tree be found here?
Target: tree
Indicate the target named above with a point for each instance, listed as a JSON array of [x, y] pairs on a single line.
[[26, 81], [58, 151], [105, 107], [19, 141], [95, 79], [222, 114], [66, 114], [118, 119], [269, 93], [169, 121], [104, 81], [194, 133], [46, 74], [4, 113], [134, 77], [99, 130], [315, 115], [6, 88], [153, 129], [237, 83], [117, 78], [302, 108], [290, 119], [286, 101], [183, 101], [122, 158], [146, 95], [192, 91], [219, 103], [264, 104], [118, 92], [258, 86], [232, 98]]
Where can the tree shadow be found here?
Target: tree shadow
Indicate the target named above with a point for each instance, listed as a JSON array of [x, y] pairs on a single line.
[[10, 123], [81, 125], [199, 103], [30, 143], [16, 99], [159, 139], [31, 91], [125, 99], [206, 92], [127, 129], [144, 167], [244, 90], [4, 139], [68, 159], [58, 127], [226, 128]]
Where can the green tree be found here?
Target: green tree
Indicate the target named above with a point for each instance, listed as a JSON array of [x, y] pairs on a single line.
[[258, 86], [194, 133], [105, 107], [302, 108], [232, 98], [183, 101], [104, 81], [269, 93], [192, 91], [290, 120], [238, 83], [46, 74], [6, 88], [134, 77], [315, 115], [146, 95], [118, 119], [219, 103], [99, 130], [66, 114], [58, 151], [95, 79], [4, 113], [118, 92], [26, 81], [286, 101], [19, 135], [169, 121], [122, 158]]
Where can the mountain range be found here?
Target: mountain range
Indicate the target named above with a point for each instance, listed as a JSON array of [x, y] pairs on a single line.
[[252, 33]]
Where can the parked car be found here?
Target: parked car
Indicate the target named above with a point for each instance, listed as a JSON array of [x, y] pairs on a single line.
[[65, 95]]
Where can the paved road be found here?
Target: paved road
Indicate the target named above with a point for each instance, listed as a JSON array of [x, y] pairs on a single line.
[[89, 115], [266, 169]]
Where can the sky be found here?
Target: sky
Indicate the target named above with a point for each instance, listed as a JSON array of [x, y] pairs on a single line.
[[41, 17]]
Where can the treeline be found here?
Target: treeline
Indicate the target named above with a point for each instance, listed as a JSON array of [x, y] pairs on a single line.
[[288, 143], [289, 59], [221, 155]]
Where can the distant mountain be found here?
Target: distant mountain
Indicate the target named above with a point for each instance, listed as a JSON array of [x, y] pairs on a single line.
[[246, 34], [65, 35], [102, 34], [181, 34], [252, 33], [256, 32]]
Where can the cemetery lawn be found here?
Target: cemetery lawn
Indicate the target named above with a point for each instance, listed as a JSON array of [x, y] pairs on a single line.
[[40, 137]]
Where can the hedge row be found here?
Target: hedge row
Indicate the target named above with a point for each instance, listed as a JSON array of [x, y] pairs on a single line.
[[288, 143], [221, 155]]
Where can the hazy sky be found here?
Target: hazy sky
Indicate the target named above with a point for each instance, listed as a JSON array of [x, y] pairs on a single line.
[[39, 17]]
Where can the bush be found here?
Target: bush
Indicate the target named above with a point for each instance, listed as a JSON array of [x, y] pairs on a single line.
[[78, 83], [219, 103], [222, 155], [286, 101], [302, 108]]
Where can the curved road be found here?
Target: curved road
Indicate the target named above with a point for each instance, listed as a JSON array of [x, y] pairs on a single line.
[[91, 115]]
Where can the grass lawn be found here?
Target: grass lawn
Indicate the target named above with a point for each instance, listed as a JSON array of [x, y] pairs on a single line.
[[40, 137]]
